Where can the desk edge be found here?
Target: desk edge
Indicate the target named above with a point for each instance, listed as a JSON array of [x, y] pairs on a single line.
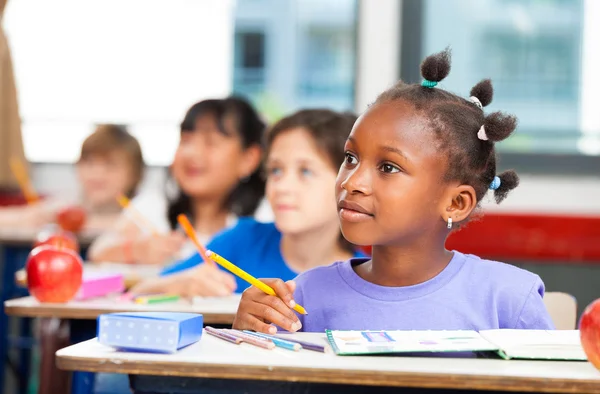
[[363, 378]]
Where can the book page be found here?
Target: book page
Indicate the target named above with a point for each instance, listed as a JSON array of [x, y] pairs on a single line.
[[374, 342], [537, 344]]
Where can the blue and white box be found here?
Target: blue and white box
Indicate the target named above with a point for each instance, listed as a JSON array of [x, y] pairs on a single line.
[[161, 332]]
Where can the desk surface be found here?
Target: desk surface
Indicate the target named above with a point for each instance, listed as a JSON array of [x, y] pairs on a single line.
[[132, 273], [215, 358], [26, 237], [215, 310]]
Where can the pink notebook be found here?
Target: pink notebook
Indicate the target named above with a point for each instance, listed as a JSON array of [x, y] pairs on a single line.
[[98, 285]]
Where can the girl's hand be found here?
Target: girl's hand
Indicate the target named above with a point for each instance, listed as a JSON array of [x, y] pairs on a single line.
[[203, 280], [157, 249], [257, 310]]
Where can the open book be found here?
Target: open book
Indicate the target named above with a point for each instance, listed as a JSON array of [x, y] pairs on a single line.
[[519, 344]]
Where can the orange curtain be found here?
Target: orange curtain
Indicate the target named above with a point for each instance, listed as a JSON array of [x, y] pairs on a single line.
[[11, 142]]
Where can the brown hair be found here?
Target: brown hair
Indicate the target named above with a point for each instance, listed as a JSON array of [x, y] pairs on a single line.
[[108, 138], [247, 195], [329, 130]]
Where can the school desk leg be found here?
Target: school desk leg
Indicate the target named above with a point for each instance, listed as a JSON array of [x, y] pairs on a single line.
[[146, 384], [3, 322], [7, 286], [54, 335], [82, 383], [82, 330], [25, 355], [12, 259]]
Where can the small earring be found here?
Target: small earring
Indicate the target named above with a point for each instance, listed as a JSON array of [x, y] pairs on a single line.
[[449, 223]]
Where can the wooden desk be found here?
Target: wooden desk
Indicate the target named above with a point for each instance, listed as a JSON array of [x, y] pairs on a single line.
[[215, 311], [15, 245], [26, 237], [214, 358], [132, 273]]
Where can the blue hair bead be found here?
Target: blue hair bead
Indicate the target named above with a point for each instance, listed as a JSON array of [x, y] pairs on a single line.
[[428, 84], [495, 183]]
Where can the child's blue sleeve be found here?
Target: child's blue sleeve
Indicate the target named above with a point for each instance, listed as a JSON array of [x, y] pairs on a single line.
[[224, 243], [182, 265]]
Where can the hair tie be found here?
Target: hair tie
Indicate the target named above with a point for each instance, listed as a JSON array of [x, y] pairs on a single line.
[[428, 84], [476, 101], [481, 134], [495, 183]]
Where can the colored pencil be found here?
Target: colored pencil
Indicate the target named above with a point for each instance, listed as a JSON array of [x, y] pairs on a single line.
[[208, 255], [247, 277], [305, 345], [282, 343], [156, 299], [20, 173], [191, 233], [223, 335], [253, 340], [139, 219]]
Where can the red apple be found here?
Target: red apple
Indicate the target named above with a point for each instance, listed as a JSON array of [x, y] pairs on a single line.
[[61, 239], [589, 331], [71, 218], [54, 274]]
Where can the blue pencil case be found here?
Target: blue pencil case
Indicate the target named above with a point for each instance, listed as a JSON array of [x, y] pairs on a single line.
[[161, 332]]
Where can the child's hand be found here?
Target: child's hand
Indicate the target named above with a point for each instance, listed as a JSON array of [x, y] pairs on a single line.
[[205, 281], [158, 249], [258, 309], [202, 280]]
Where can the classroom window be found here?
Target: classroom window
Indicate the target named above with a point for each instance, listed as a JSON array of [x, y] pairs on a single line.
[[136, 62], [533, 51], [249, 62], [253, 50], [544, 67], [327, 59], [145, 69], [293, 54]]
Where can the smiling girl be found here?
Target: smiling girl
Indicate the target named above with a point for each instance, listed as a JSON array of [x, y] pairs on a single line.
[[217, 179], [304, 152]]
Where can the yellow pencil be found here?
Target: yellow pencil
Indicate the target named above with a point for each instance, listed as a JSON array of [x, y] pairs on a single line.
[[126, 204], [247, 277], [207, 256]]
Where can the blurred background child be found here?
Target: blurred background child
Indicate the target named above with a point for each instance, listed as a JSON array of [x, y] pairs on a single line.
[[214, 178], [304, 152], [110, 163]]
